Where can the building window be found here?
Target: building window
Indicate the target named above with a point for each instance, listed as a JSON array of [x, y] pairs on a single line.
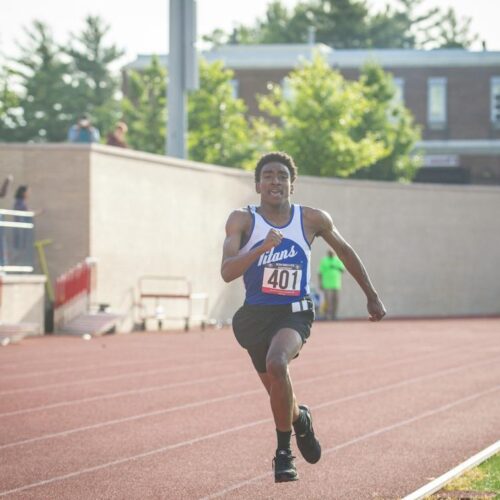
[[399, 95], [436, 103], [286, 88], [235, 85], [495, 101]]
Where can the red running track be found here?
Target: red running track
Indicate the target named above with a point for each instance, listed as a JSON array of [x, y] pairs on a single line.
[[183, 416]]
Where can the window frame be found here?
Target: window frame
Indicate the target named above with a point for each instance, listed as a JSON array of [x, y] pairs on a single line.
[[235, 85], [441, 122], [399, 83], [494, 82]]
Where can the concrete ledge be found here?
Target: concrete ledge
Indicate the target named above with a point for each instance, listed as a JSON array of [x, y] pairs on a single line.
[[22, 299], [13, 334], [12, 279]]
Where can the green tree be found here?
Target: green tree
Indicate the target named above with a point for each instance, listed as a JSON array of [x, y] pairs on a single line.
[[218, 130], [279, 26], [394, 124], [391, 29], [404, 25], [10, 110], [216, 38], [144, 108], [46, 97], [95, 84], [351, 24], [341, 24], [320, 122], [452, 33]]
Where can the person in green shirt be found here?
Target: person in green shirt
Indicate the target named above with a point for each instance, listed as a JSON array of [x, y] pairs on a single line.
[[330, 281]]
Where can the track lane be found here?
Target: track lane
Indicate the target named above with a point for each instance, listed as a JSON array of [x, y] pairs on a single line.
[[182, 428], [188, 469]]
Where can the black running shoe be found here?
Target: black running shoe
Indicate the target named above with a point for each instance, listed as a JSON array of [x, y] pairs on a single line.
[[306, 440], [284, 467]]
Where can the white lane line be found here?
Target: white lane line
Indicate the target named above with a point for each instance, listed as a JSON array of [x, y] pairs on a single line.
[[130, 392], [73, 363], [363, 437], [125, 363], [137, 348], [140, 373], [135, 457], [147, 389], [120, 376], [77, 369], [212, 435], [371, 392], [439, 482], [127, 342], [74, 369], [134, 417], [6, 367], [164, 360], [203, 380], [144, 352], [163, 411]]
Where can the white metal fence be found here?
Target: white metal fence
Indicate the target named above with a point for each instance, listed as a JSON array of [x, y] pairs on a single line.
[[17, 236]]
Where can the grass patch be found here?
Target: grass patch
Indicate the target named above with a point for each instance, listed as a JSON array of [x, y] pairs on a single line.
[[485, 477]]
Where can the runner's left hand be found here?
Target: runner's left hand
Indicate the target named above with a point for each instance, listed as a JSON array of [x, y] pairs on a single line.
[[376, 309]]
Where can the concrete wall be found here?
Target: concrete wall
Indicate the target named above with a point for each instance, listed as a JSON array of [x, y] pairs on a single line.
[[430, 249], [22, 300], [58, 180], [156, 216]]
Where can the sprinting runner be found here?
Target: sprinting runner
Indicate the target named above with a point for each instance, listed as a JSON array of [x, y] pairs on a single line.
[[270, 246]]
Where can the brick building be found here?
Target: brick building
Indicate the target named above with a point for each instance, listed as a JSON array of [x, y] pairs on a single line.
[[453, 94]]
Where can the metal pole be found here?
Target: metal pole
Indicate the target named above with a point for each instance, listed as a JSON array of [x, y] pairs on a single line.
[[177, 114], [39, 245]]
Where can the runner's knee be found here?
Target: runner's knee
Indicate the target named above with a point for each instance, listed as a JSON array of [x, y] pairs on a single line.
[[277, 366]]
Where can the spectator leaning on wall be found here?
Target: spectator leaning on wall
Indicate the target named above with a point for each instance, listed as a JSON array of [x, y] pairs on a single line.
[[3, 191], [117, 137], [83, 132]]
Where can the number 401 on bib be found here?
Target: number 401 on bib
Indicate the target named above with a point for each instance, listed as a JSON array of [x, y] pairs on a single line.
[[282, 279]]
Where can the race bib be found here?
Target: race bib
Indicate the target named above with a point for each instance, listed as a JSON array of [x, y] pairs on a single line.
[[282, 279]]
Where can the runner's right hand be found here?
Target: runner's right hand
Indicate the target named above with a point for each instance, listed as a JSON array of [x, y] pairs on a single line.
[[273, 239]]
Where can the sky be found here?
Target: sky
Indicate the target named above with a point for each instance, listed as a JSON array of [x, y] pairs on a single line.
[[142, 27]]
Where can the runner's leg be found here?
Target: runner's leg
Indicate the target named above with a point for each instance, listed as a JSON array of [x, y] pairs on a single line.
[[335, 303], [267, 384], [285, 345]]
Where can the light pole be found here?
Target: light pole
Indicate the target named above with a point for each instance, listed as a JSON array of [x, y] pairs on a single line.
[[182, 73]]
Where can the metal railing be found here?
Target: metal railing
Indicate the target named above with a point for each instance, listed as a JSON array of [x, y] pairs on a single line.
[[17, 236], [158, 294]]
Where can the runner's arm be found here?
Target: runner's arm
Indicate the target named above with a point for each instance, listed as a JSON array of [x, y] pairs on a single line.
[[234, 265], [325, 228], [5, 186]]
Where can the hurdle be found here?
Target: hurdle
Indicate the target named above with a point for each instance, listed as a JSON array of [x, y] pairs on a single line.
[[156, 294]]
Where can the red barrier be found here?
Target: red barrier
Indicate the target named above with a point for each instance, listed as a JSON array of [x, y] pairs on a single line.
[[73, 283]]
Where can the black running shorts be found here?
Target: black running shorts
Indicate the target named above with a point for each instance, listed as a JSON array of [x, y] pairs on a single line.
[[254, 327]]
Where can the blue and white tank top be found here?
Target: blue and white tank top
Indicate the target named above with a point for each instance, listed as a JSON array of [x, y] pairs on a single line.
[[282, 274]]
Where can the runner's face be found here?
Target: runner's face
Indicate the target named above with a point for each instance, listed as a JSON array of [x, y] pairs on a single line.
[[274, 185]]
